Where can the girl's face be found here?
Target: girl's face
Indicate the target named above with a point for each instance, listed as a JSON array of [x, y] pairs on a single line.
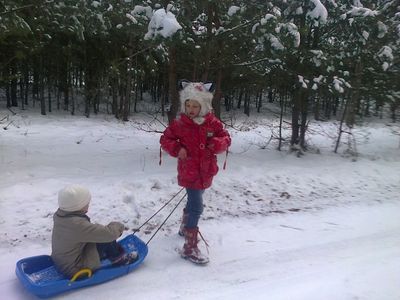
[[192, 108]]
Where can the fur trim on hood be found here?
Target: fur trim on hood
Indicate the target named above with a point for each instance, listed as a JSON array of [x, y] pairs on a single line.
[[199, 91]]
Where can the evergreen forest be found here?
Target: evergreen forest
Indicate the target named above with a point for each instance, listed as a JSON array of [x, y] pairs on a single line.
[[314, 59]]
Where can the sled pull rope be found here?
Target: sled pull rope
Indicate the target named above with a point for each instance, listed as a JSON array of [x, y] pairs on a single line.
[[147, 221], [205, 242], [162, 224], [78, 274], [226, 158]]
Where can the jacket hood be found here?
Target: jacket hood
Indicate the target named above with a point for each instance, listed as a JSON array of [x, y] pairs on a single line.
[[199, 92]]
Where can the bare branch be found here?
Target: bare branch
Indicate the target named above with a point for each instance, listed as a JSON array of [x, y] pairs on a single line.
[[16, 9]]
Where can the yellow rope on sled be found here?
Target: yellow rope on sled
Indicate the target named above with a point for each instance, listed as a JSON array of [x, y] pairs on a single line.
[[86, 271]]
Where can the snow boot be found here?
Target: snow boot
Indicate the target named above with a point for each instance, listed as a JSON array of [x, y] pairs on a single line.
[[190, 250], [125, 259], [185, 217]]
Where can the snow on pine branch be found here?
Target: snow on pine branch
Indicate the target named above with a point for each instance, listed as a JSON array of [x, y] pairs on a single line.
[[162, 23]]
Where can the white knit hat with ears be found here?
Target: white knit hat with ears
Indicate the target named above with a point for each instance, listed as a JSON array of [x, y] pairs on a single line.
[[73, 198], [199, 91]]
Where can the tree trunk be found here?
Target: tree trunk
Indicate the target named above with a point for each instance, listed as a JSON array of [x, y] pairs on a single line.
[[125, 112], [246, 105], [172, 80], [114, 93], [239, 103], [295, 119], [341, 126], [270, 96], [304, 114], [259, 100], [7, 87], [138, 91], [228, 99], [26, 88], [14, 85], [355, 95], [210, 35], [281, 100], [164, 96], [41, 87], [317, 108], [217, 96]]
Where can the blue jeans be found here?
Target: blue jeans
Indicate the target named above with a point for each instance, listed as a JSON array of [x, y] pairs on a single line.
[[109, 250], [194, 207]]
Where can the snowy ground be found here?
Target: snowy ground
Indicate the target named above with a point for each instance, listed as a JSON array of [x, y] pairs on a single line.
[[322, 226]]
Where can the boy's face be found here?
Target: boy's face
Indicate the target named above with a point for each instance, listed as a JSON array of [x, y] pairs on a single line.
[[192, 108]]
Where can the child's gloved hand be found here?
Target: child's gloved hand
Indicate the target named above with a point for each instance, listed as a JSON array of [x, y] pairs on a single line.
[[119, 226], [182, 154]]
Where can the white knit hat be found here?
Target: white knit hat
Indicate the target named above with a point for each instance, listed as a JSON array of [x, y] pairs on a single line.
[[73, 198], [198, 91]]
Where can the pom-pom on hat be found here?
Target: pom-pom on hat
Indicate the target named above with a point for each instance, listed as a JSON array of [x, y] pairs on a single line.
[[199, 91], [73, 198]]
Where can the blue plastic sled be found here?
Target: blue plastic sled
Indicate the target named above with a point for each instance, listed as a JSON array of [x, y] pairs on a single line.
[[40, 277]]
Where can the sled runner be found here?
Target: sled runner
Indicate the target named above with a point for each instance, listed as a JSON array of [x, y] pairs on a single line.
[[40, 277]]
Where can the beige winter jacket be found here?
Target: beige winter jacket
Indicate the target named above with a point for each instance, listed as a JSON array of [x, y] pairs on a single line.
[[74, 241]]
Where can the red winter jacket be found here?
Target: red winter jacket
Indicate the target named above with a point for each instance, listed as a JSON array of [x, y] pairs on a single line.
[[201, 142]]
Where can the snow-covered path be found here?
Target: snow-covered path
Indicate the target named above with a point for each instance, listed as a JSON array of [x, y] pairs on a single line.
[[323, 227], [338, 253]]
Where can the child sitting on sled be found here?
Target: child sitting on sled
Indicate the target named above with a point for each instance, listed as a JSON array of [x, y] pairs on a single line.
[[76, 242], [195, 138]]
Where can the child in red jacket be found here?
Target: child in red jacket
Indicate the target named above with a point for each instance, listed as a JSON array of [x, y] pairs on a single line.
[[195, 138]]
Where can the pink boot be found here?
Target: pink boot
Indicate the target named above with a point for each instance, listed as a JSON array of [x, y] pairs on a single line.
[[185, 217], [190, 250], [125, 259]]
